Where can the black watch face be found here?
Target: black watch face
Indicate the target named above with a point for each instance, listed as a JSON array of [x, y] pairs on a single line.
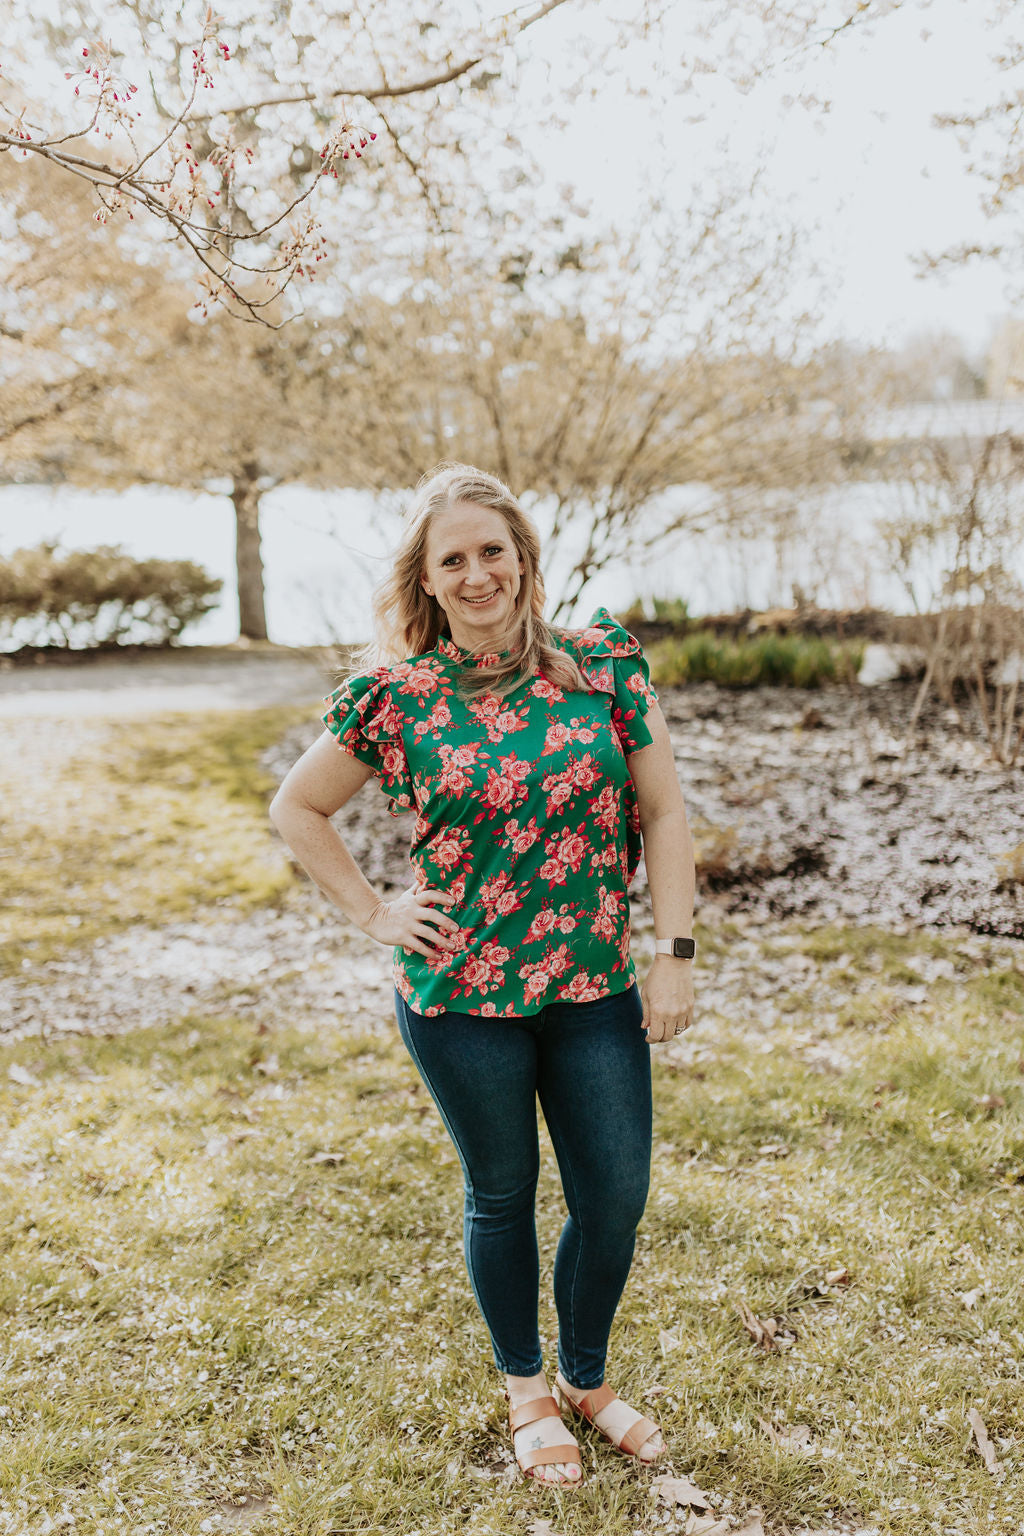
[[684, 949]]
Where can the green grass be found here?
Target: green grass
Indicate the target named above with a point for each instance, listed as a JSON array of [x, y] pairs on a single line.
[[196, 1309], [792, 661], [142, 821]]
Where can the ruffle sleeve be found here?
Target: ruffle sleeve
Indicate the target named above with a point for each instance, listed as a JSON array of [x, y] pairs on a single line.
[[368, 725], [613, 662]]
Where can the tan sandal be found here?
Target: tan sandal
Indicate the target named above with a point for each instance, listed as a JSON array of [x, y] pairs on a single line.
[[636, 1436], [544, 1455]]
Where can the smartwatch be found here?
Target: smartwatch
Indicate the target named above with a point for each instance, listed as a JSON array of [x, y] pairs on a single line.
[[682, 949]]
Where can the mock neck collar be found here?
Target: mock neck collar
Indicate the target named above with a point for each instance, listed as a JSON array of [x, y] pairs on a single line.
[[447, 648]]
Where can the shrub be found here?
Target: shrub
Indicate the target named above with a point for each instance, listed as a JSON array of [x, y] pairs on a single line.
[[94, 598], [794, 661]]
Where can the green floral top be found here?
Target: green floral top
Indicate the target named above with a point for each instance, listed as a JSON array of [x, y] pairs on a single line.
[[526, 813]]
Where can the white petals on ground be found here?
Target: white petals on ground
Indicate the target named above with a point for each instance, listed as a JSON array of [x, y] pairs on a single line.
[[981, 1439], [679, 1490], [667, 1341]]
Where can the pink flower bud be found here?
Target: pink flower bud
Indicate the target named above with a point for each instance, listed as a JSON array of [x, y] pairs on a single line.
[[85, 53], [372, 136]]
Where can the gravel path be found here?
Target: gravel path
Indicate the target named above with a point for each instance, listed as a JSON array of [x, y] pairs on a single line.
[[184, 679]]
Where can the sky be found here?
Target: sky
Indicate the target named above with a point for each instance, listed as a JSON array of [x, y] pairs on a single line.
[[871, 182]]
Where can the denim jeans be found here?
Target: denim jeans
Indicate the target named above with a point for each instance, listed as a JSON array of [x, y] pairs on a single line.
[[589, 1064]]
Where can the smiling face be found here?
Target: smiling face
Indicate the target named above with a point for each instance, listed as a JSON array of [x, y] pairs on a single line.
[[472, 568]]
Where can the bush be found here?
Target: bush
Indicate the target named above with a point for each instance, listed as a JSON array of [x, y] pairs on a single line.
[[793, 661], [88, 599]]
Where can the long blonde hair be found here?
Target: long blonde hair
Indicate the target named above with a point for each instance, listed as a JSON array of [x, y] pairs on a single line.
[[409, 622]]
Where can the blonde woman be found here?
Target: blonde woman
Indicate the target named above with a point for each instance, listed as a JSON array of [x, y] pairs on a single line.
[[535, 758]]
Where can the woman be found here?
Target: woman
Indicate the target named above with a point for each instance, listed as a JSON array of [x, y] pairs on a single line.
[[534, 758]]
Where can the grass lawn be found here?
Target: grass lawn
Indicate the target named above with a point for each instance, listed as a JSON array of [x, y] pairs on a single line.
[[232, 1293]]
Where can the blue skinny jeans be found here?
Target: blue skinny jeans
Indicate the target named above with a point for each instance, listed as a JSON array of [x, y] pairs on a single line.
[[589, 1064]]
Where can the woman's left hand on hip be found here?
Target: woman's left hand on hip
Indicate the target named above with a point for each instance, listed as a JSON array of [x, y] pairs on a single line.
[[667, 997]]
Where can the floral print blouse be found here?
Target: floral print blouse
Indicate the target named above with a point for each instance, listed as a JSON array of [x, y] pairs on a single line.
[[525, 812]]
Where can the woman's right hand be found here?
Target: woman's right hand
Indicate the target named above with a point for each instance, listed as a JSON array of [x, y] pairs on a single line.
[[414, 920]]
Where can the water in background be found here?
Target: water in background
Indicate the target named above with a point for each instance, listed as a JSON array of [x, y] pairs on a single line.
[[324, 551]]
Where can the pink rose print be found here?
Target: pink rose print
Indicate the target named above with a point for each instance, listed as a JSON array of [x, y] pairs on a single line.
[[501, 794], [521, 838], [449, 848], [581, 989], [535, 842], [440, 717], [542, 924], [584, 774], [605, 809], [606, 919], [560, 793], [553, 871], [484, 972], [555, 739], [419, 679], [571, 850], [515, 768]]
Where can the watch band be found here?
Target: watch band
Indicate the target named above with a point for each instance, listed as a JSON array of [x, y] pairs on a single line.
[[682, 949]]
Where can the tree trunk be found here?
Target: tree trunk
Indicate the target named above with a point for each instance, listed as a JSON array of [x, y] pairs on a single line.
[[252, 613]]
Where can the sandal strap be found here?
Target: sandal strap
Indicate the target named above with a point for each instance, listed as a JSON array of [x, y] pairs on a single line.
[[637, 1435], [548, 1455], [591, 1403], [536, 1408]]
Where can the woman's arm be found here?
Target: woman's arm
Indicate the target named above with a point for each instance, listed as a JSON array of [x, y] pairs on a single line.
[[321, 782], [668, 854]]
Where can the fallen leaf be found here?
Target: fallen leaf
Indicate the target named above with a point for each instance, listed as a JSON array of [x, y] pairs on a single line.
[[235, 1517], [679, 1490], [93, 1266], [22, 1076], [653, 1392], [773, 1149], [327, 1157], [985, 1446], [541, 1528], [837, 1277], [761, 1331], [767, 1332], [268, 1065], [970, 1298], [797, 1437], [751, 1527], [991, 1101], [667, 1341], [705, 1525]]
